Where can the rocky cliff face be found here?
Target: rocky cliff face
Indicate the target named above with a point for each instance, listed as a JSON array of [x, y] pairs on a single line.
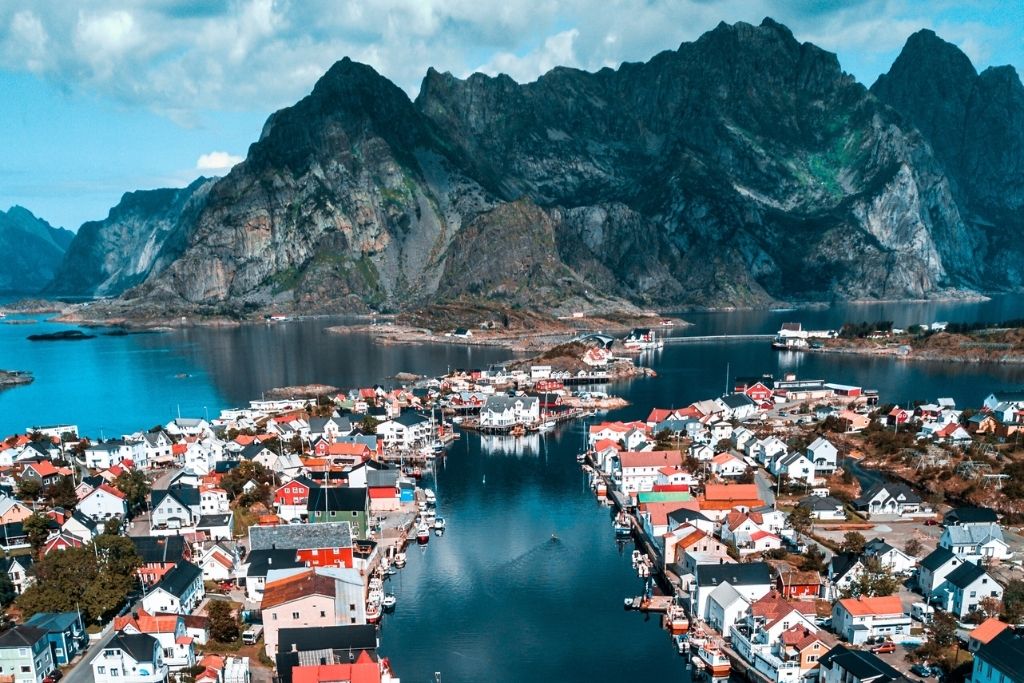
[[974, 123], [742, 168], [140, 237], [32, 251]]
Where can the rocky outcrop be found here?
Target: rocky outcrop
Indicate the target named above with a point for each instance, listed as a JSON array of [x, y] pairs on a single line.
[[32, 251], [140, 237], [740, 169]]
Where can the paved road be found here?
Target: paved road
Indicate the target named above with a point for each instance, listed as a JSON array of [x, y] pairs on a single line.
[[82, 671], [765, 488]]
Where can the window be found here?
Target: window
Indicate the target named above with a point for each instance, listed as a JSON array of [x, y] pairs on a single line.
[[114, 673], [22, 651], [26, 669], [974, 594], [273, 617], [101, 670], [295, 615]]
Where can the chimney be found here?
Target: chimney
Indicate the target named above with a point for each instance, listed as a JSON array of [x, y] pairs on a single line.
[[295, 647]]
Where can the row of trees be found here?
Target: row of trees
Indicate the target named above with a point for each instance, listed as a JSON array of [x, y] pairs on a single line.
[[864, 329]]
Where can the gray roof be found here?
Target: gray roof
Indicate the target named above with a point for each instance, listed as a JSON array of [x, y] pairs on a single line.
[[181, 576], [750, 574], [21, 636], [503, 403], [138, 645], [964, 575], [737, 401], [207, 521], [725, 595], [892, 490], [937, 558], [973, 535], [1005, 652], [379, 478], [301, 536], [820, 503]]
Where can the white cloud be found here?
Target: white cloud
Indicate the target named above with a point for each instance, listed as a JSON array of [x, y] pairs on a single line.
[[183, 57], [217, 161]]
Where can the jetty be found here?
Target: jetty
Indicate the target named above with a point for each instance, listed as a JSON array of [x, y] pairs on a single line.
[[717, 338]]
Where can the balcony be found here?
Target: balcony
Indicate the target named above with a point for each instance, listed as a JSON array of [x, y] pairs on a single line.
[[761, 658]]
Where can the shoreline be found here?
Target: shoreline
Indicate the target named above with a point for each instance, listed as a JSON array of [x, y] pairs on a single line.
[[9, 379]]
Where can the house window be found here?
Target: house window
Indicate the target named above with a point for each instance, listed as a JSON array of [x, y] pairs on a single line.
[[114, 673], [26, 669], [323, 613], [101, 670], [273, 617], [295, 615]]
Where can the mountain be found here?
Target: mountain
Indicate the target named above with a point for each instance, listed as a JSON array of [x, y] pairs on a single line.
[[143, 234], [743, 168], [975, 125], [32, 248]]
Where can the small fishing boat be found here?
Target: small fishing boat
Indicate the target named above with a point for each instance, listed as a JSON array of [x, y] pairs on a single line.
[[676, 621], [714, 660], [389, 601], [622, 525], [422, 505], [437, 447], [439, 525], [400, 560], [637, 557], [423, 534], [682, 643], [373, 610], [430, 496], [602, 489], [548, 426], [581, 457], [629, 603]]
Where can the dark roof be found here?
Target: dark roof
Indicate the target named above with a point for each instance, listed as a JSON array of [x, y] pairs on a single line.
[[860, 664], [188, 496], [683, 515], [753, 573], [254, 449], [225, 466], [970, 515], [53, 622], [159, 549], [820, 503], [1006, 653], [181, 576], [301, 536], [893, 489], [207, 521], [410, 418], [21, 636], [342, 637], [6, 563], [841, 563], [877, 546], [262, 561], [964, 575], [337, 499], [737, 400], [138, 645], [937, 558]]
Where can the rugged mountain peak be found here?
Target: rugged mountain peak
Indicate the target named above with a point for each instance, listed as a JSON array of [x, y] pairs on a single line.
[[32, 248]]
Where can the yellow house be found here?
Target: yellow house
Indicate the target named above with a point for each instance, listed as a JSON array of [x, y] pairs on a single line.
[[12, 511]]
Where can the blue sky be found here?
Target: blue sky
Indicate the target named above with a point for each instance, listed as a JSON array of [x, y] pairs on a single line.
[[110, 96]]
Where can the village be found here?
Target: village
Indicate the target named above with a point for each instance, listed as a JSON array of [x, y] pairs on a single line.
[[254, 546], [774, 554], [259, 545]]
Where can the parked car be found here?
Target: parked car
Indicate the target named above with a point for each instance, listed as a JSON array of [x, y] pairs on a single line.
[[54, 676], [931, 522], [884, 648], [922, 670]]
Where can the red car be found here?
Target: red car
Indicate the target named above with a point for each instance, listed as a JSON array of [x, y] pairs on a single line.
[[54, 676], [884, 649], [931, 522]]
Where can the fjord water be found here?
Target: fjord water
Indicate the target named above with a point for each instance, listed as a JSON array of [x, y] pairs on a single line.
[[495, 599]]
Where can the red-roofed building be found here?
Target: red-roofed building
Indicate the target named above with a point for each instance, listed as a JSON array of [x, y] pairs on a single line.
[[104, 502], [640, 469], [984, 632], [362, 670], [861, 618], [168, 629], [42, 472], [799, 584]]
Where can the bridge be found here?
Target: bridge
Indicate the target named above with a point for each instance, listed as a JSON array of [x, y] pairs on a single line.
[[718, 337]]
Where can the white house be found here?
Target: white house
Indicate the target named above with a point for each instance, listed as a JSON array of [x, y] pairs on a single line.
[[186, 426], [158, 446], [935, 567], [751, 580], [824, 507], [890, 557], [641, 469], [701, 451], [130, 658], [404, 431], [104, 502], [796, 466], [174, 509], [975, 541], [862, 618], [768, 449], [169, 630], [889, 498], [726, 605], [503, 412], [179, 591], [742, 438], [824, 455], [737, 406], [728, 465], [964, 589], [105, 454], [218, 563]]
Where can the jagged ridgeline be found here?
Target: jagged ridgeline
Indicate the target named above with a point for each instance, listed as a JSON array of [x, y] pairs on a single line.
[[742, 168]]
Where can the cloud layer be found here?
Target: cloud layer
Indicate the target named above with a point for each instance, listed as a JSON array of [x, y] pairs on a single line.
[[183, 57]]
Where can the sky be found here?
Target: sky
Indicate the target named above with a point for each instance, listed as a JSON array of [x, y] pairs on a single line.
[[102, 97]]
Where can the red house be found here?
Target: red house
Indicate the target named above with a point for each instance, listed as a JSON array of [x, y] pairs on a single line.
[[758, 392], [325, 557], [798, 584], [295, 492]]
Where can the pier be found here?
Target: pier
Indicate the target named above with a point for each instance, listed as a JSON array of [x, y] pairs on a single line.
[[717, 337]]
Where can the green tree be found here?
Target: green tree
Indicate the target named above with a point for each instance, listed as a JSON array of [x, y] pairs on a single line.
[[28, 489], [7, 592], [134, 485], [223, 622], [813, 560], [913, 547], [368, 425], [37, 529], [876, 579], [854, 542], [1013, 601], [62, 494], [943, 629], [234, 481], [800, 518]]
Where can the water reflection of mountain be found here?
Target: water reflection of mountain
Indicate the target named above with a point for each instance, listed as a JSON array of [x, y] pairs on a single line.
[[519, 446], [247, 360]]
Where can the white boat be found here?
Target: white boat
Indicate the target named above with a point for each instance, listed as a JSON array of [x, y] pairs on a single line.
[[389, 601], [400, 560], [373, 610], [682, 643], [548, 426], [438, 447], [430, 497], [422, 505], [714, 659], [439, 524], [581, 457], [422, 534], [458, 419]]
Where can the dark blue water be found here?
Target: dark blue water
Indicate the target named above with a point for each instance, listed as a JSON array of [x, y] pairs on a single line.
[[494, 599]]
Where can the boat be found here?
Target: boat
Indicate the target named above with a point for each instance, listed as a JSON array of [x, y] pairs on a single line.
[[602, 489], [389, 601], [581, 457], [637, 557], [622, 525], [400, 560], [682, 643], [715, 661], [430, 497], [548, 426], [422, 506], [390, 570], [629, 603], [676, 621], [437, 446], [457, 419], [439, 524], [373, 608], [423, 534]]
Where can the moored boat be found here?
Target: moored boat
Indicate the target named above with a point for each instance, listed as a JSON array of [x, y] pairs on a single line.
[[422, 534], [715, 660], [676, 620], [399, 560], [439, 525], [602, 489], [430, 496], [622, 525], [389, 601]]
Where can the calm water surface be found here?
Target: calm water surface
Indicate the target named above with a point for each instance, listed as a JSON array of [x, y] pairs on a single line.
[[494, 599]]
